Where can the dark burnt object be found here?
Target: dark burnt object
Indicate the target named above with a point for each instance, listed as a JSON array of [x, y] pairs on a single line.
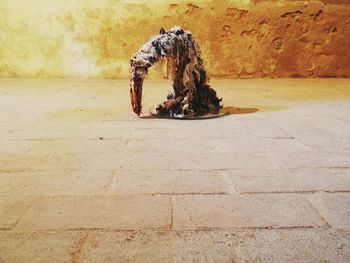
[[190, 93]]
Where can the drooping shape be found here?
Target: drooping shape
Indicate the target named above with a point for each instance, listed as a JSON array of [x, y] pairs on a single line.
[[190, 93]]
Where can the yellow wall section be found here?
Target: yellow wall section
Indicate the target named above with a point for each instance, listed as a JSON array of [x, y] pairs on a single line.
[[239, 38]]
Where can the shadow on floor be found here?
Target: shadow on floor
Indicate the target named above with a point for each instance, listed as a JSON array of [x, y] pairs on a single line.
[[229, 109], [149, 117], [235, 110]]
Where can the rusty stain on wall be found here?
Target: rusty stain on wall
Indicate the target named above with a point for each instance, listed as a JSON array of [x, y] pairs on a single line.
[[239, 38]]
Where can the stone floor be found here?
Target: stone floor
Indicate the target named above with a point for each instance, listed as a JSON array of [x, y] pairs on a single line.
[[82, 179]]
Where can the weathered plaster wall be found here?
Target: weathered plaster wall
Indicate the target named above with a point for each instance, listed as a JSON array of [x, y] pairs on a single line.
[[239, 38]]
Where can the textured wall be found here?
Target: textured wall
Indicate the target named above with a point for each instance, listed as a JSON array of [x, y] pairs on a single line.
[[239, 38]]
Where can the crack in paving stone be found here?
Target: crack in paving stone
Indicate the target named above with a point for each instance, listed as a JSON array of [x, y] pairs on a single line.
[[78, 248], [172, 213], [110, 181], [35, 199]]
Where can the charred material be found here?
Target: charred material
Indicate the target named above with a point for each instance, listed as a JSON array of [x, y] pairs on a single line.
[[190, 93]]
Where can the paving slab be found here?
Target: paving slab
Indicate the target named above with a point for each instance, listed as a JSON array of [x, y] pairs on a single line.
[[265, 129], [4, 133], [170, 182], [99, 212], [225, 144], [53, 161], [59, 183], [293, 180], [118, 161], [98, 145], [335, 208], [319, 140], [85, 133], [225, 161], [331, 124], [23, 162], [258, 211], [12, 209], [312, 159]]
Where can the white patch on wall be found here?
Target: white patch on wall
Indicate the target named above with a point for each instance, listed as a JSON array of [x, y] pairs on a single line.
[[75, 59]]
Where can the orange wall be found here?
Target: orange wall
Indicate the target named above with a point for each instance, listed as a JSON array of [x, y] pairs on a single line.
[[239, 38]]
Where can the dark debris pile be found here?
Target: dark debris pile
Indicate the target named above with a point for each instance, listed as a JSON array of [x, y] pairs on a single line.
[[190, 93]]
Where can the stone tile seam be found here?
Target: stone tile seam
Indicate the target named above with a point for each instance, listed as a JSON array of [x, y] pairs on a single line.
[[64, 170], [213, 229], [175, 170], [296, 192], [310, 148], [279, 137], [233, 183], [166, 229], [179, 194], [93, 195], [310, 124], [109, 183], [35, 201], [8, 134], [318, 212]]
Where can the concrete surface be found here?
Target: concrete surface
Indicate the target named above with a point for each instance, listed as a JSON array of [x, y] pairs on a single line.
[[84, 180]]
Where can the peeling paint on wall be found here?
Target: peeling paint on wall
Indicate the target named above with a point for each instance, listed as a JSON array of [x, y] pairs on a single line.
[[239, 38]]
